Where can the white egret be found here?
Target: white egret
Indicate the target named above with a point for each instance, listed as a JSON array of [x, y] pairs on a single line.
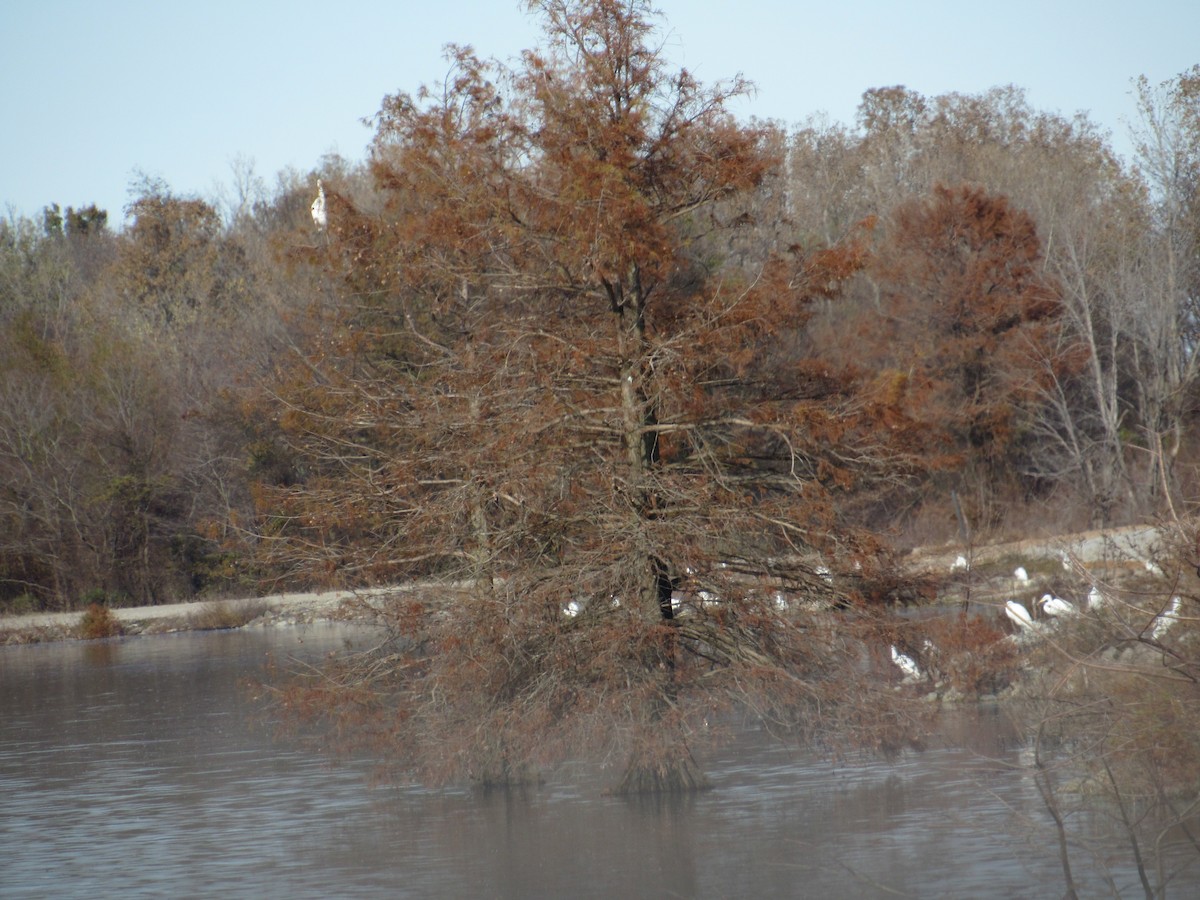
[[960, 563], [1018, 614], [320, 219], [1055, 606], [1095, 598], [1021, 575], [906, 664], [1164, 621]]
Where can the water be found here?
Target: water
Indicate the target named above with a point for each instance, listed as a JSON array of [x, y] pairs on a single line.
[[142, 767]]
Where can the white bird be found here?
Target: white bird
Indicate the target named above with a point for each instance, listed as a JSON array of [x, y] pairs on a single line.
[[960, 563], [1095, 598], [572, 609], [1164, 621], [906, 664], [1056, 606], [320, 219], [1066, 560], [1019, 614], [1021, 575]]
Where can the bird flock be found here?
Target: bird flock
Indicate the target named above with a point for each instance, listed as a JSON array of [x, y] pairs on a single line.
[[1050, 610], [1055, 609]]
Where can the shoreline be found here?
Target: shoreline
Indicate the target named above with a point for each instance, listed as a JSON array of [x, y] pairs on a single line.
[[298, 608], [1114, 552]]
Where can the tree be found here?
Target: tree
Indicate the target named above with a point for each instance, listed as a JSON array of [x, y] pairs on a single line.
[[1091, 216], [86, 437], [547, 390], [967, 313], [1165, 271], [174, 264]]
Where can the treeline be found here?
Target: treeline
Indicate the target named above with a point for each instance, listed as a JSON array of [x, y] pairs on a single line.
[[1018, 300]]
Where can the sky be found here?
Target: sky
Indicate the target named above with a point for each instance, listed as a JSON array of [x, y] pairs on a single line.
[[93, 95]]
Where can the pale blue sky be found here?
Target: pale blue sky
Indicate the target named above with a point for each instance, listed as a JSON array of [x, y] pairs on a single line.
[[92, 91]]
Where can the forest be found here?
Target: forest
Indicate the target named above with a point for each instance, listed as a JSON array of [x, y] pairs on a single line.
[[646, 390], [982, 295]]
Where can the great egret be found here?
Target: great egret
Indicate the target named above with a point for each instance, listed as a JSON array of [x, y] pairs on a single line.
[[1164, 621], [1021, 575], [1019, 614], [960, 563], [906, 664], [320, 219], [1055, 606], [1095, 598]]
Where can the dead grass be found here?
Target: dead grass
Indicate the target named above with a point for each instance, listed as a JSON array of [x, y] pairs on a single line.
[[218, 615]]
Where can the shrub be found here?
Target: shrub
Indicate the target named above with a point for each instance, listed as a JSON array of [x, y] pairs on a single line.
[[99, 622], [221, 614]]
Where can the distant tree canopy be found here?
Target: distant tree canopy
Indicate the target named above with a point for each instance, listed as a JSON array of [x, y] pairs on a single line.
[[969, 314]]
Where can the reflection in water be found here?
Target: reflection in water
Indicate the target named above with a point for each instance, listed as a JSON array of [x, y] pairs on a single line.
[[138, 766]]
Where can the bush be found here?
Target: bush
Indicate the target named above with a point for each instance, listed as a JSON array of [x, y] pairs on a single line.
[[99, 622], [221, 614]]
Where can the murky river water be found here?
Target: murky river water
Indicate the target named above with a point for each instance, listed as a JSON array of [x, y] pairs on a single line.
[[140, 767]]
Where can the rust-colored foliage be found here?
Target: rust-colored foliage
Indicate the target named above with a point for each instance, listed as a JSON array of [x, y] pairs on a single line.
[[99, 622], [968, 316], [545, 392], [972, 658]]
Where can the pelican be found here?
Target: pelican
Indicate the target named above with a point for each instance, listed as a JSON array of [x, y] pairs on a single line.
[[1055, 606], [1164, 621], [906, 664], [318, 208], [1019, 614], [1021, 575]]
